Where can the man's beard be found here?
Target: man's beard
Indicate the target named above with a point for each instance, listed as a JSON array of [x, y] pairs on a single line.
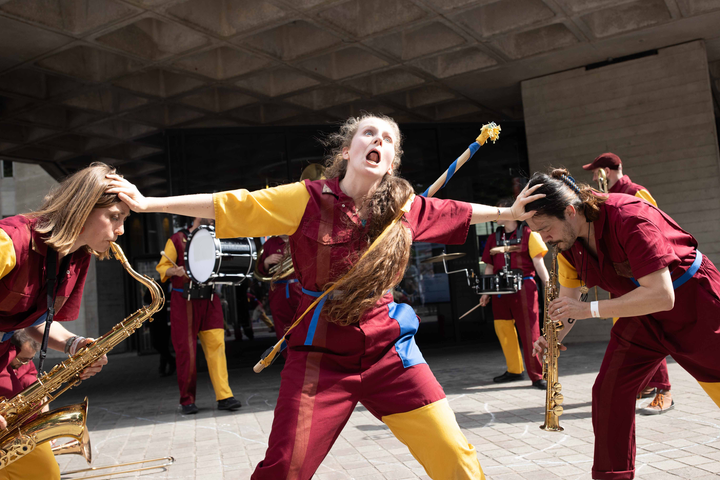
[[568, 240]]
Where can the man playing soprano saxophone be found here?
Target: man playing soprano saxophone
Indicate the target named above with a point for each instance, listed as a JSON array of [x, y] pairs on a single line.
[[665, 291], [77, 219], [659, 386]]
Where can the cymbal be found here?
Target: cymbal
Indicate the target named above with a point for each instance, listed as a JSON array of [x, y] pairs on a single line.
[[504, 249], [444, 256]]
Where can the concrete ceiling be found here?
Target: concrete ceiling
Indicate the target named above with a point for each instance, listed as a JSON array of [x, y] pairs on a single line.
[[100, 79]]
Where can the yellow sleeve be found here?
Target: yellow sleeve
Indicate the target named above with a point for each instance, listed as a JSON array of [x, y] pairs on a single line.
[[272, 211], [645, 195], [7, 254], [536, 246], [567, 275], [164, 264]]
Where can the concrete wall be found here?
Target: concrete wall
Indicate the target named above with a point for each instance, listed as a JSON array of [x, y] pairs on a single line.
[[656, 113], [7, 196], [32, 183]]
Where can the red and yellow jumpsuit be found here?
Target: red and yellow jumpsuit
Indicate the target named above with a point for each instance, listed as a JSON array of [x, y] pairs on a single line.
[[634, 239], [661, 379], [190, 319], [23, 303], [518, 309], [284, 294], [330, 368]]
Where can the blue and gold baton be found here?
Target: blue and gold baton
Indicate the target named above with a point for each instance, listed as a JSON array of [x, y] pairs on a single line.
[[490, 131]]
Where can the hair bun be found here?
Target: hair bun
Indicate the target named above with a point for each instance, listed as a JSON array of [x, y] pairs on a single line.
[[559, 173]]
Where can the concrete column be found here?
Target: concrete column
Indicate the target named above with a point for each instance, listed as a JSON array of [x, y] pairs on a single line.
[[656, 113]]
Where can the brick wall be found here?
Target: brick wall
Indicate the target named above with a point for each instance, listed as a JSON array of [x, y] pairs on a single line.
[[656, 113]]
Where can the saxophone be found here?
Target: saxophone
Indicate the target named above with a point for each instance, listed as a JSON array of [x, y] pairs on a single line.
[[553, 397], [25, 428]]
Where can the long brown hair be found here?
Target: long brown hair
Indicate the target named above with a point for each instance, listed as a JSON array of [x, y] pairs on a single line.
[[65, 209], [382, 268], [561, 190]]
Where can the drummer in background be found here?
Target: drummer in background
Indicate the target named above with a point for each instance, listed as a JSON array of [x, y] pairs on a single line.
[[517, 309], [659, 386], [285, 292], [195, 312]]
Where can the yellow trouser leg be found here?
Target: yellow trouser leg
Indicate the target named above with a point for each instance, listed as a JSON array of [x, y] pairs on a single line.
[[213, 345], [713, 390], [506, 333], [435, 440], [39, 464]]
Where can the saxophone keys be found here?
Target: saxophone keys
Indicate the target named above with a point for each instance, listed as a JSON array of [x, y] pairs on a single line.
[[558, 398], [557, 410], [556, 387]]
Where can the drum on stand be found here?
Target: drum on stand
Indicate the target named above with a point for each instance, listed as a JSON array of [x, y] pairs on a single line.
[[504, 282], [213, 260]]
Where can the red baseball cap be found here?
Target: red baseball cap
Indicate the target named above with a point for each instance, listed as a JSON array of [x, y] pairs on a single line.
[[603, 161]]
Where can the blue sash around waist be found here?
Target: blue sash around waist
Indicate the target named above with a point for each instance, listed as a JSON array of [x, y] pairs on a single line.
[[287, 285], [689, 273]]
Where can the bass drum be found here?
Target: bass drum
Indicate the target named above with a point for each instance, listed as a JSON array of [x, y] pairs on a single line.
[[212, 260]]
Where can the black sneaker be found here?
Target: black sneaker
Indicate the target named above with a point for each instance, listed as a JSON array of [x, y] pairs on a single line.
[[541, 384], [230, 403], [508, 377], [189, 409]]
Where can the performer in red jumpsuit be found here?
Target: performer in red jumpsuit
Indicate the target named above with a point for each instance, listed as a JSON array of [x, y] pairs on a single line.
[[359, 345], [191, 318], [665, 291], [77, 219], [659, 385], [285, 293], [20, 371], [517, 309]]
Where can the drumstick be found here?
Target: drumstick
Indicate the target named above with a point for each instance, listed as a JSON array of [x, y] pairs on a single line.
[[472, 309], [171, 261]]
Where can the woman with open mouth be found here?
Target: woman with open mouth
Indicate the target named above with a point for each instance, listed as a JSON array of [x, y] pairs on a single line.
[[350, 233]]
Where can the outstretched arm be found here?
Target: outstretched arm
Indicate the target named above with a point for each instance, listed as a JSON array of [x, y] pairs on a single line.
[[486, 213], [200, 205]]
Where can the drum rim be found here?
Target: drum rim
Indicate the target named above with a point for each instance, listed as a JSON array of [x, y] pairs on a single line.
[[220, 278], [216, 267]]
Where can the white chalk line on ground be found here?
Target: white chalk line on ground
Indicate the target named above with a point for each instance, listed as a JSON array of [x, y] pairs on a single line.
[[580, 462]]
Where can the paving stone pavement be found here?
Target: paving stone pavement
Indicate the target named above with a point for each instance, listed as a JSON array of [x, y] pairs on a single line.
[[134, 415]]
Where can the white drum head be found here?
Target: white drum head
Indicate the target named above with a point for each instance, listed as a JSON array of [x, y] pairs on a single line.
[[201, 255]]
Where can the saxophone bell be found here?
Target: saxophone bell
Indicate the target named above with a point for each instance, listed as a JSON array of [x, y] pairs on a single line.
[[26, 426]]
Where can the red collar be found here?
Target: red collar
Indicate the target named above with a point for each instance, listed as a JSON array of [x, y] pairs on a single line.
[[623, 182]]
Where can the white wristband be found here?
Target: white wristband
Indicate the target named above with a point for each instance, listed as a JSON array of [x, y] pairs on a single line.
[[594, 310], [75, 346]]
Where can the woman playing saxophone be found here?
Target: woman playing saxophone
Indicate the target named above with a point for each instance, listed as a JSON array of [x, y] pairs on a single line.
[[77, 219]]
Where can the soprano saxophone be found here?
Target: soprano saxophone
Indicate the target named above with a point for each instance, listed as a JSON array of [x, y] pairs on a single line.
[[553, 397], [25, 430]]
